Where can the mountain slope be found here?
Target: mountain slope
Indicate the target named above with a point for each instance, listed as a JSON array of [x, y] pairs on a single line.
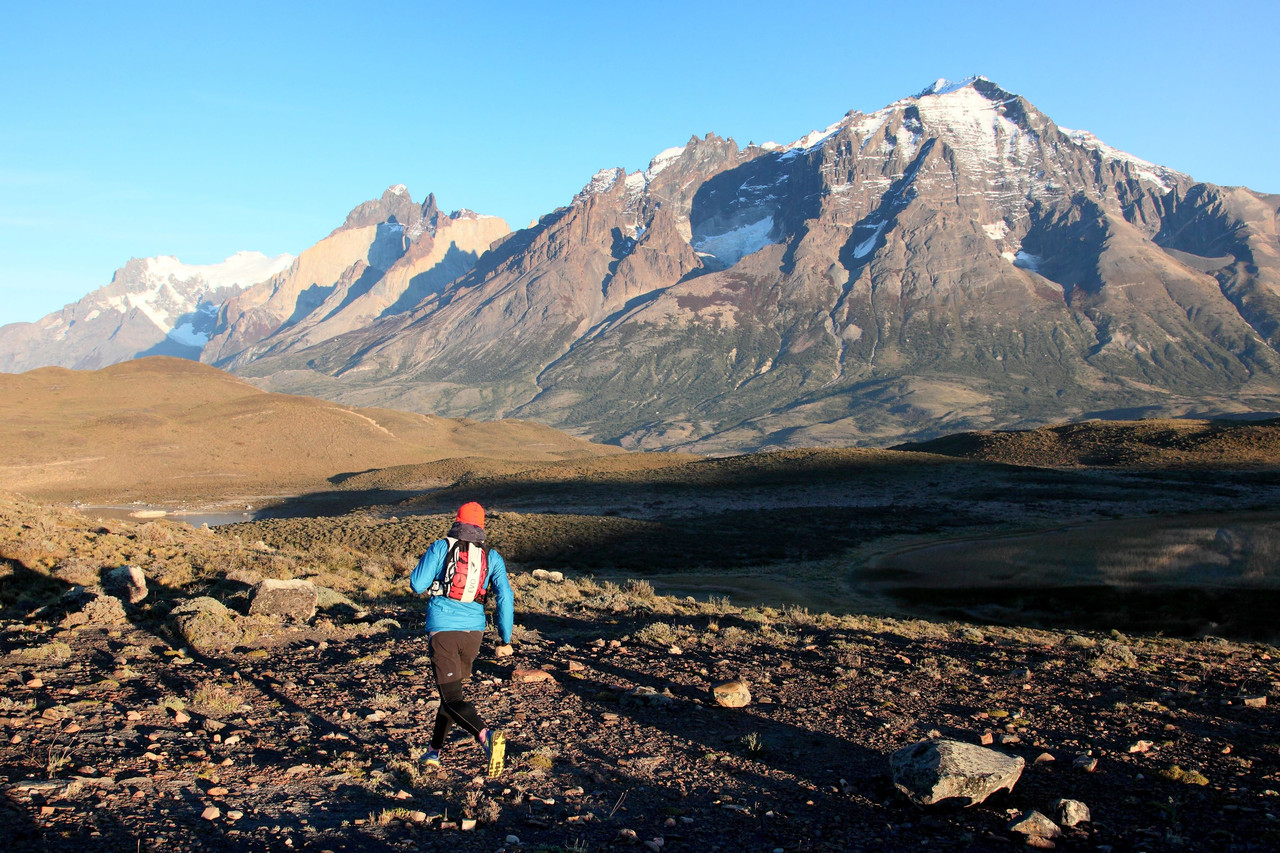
[[952, 261], [153, 306], [386, 256], [163, 428]]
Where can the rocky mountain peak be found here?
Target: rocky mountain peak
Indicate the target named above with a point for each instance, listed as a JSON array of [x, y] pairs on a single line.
[[395, 201]]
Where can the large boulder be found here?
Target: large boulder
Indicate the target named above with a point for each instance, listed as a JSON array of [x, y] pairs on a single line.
[[288, 601], [947, 771], [731, 694], [127, 583], [206, 625], [90, 607]]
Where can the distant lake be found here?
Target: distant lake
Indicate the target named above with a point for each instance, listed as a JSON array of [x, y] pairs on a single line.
[[141, 512]]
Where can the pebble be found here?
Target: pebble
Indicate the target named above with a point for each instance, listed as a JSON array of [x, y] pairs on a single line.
[[1140, 746], [1087, 763], [467, 824], [234, 815], [211, 813], [33, 683], [513, 839]]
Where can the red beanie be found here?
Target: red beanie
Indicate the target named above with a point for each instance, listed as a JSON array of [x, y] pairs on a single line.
[[471, 513]]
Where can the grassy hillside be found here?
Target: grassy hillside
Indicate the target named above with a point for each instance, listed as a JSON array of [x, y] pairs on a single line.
[[161, 429], [1138, 444]]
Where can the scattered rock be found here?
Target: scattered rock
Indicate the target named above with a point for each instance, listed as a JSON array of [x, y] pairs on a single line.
[[1140, 747], [1070, 812], [211, 813], [530, 676], [647, 697], [128, 583], [1035, 825], [1255, 701], [947, 771], [1085, 762], [731, 694], [288, 601], [206, 625], [575, 666], [544, 575]]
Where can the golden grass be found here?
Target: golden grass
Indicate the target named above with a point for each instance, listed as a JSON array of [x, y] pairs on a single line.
[[166, 429]]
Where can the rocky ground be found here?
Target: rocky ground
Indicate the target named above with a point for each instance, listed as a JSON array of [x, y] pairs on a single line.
[[305, 737]]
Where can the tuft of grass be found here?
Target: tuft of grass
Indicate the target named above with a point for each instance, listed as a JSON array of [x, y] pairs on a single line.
[[541, 759], [54, 652], [1174, 773], [753, 743], [214, 700], [386, 816]]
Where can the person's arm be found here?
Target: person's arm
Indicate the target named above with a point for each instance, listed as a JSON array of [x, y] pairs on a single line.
[[505, 605], [428, 568]]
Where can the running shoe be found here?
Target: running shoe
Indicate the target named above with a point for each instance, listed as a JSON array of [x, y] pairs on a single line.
[[495, 749], [431, 758]]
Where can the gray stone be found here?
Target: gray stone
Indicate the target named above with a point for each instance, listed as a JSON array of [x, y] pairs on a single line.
[[1035, 825], [647, 697], [290, 601], [335, 604], [127, 583], [1070, 812], [947, 771], [206, 625]]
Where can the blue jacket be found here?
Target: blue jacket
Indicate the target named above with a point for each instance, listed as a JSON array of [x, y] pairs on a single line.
[[445, 614]]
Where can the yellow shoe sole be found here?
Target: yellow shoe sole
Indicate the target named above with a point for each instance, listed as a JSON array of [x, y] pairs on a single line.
[[497, 751]]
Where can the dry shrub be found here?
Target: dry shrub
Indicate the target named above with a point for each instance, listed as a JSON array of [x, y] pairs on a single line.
[[481, 807], [639, 588], [658, 633], [214, 700], [77, 571]]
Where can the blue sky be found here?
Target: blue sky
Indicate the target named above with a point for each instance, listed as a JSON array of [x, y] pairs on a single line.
[[197, 130]]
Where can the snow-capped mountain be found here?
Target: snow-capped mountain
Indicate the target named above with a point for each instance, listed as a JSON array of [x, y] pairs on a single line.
[[388, 255], [952, 261], [153, 306]]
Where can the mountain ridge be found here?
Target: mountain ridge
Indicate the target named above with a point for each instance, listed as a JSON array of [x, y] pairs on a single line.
[[952, 261]]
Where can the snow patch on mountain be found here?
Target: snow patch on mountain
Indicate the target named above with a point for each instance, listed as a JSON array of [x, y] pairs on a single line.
[[975, 122], [664, 159], [242, 268], [866, 246], [734, 245], [1161, 176], [943, 86]]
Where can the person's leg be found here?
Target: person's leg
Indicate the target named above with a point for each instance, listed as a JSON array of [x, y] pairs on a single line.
[[452, 654]]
